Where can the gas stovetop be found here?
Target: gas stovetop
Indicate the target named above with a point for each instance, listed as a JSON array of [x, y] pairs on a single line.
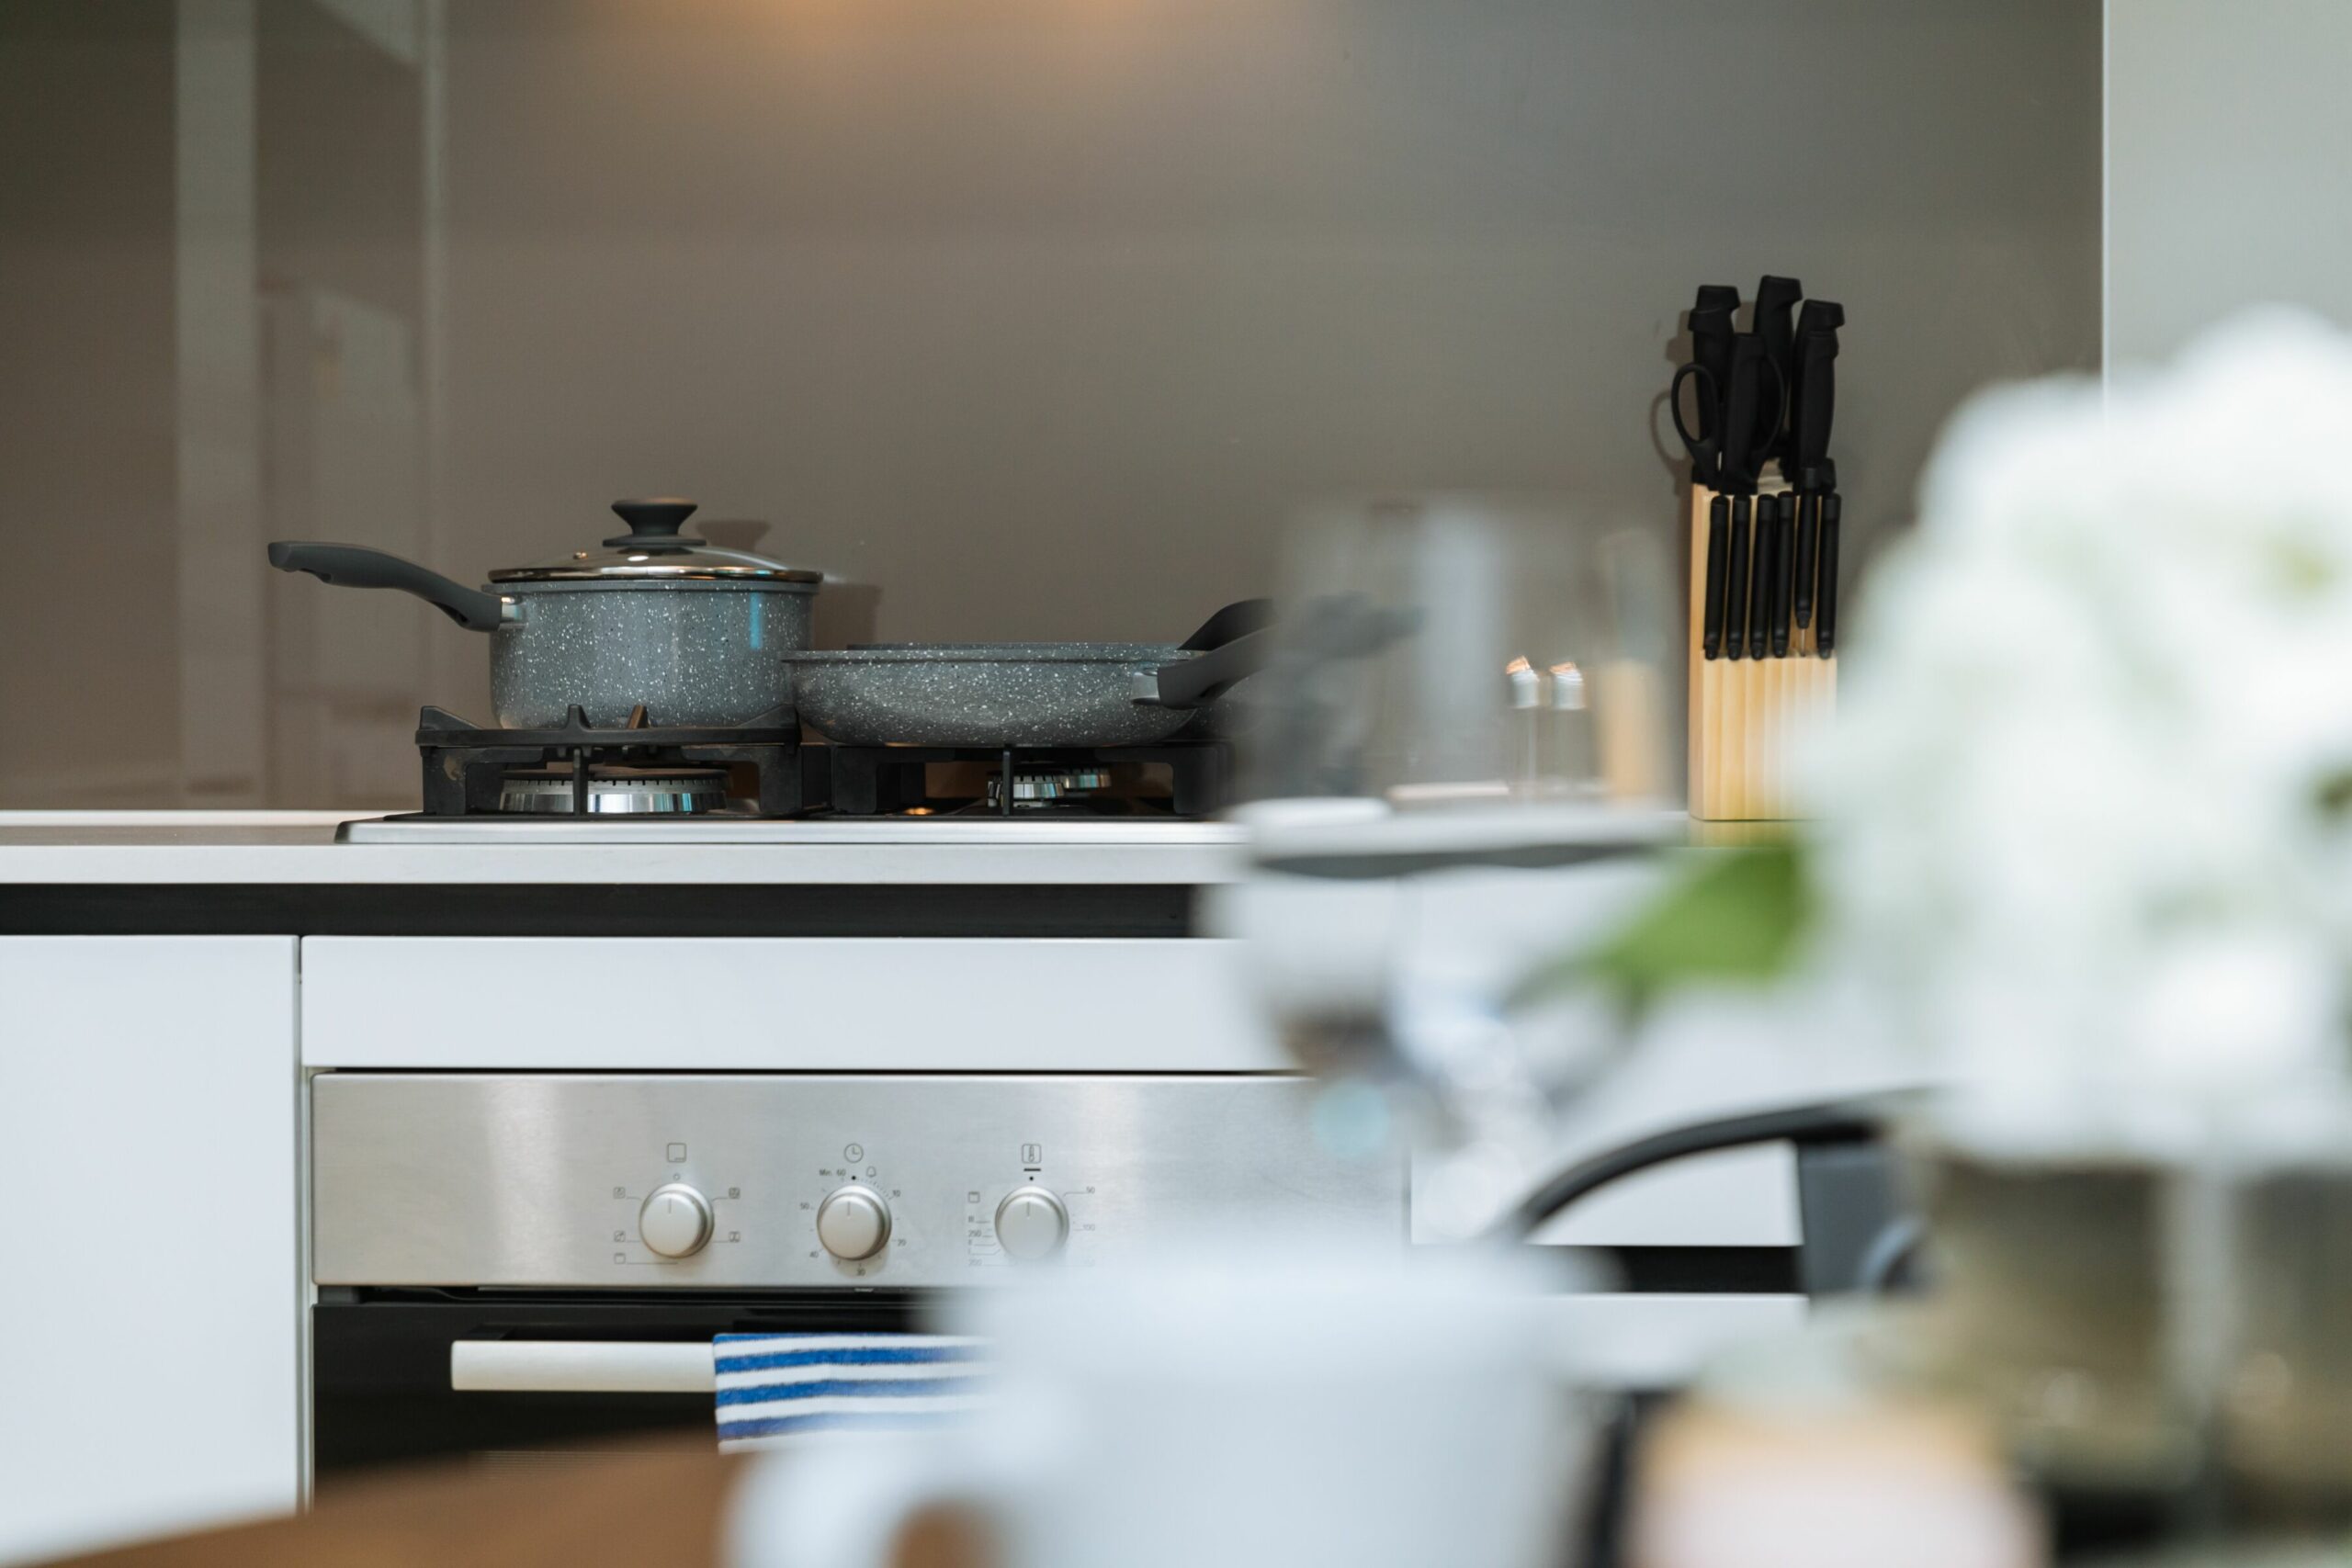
[[905, 831], [639, 775]]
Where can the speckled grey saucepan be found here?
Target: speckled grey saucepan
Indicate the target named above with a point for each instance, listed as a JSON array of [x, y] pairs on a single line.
[[1026, 693], [691, 631]]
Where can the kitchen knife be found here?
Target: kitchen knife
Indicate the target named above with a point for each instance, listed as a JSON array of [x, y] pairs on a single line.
[[1824, 602], [1783, 573], [1814, 408], [1775, 298], [1736, 582], [1759, 592], [1718, 544], [1813, 400], [1808, 517], [1743, 409]]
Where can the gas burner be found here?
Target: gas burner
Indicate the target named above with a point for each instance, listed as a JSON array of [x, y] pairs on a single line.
[[1034, 788], [614, 791], [641, 768], [1170, 779]]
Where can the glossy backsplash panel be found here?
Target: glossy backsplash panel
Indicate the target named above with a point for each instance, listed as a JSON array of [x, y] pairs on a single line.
[[1037, 317]]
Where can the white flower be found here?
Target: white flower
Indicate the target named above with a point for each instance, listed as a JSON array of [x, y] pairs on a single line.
[[2076, 798]]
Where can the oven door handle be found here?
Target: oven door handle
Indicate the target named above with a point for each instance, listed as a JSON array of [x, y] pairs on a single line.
[[574, 1366]]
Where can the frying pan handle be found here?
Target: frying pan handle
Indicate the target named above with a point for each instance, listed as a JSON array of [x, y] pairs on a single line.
[[355, 565], [1237, 620], [1200, 681]]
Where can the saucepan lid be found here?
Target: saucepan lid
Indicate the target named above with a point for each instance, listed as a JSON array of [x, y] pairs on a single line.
[[654, 549]]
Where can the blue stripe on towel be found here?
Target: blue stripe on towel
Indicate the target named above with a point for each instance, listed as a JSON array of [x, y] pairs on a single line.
[[863, 1387], [848, 1355], [863, 1420], [770, 1381]]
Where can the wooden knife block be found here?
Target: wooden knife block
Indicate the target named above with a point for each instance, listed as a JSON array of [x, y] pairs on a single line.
[[1748, 714]]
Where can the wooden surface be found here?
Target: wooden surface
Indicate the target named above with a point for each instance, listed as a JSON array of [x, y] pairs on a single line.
[[653, 1505], [658, 1509]]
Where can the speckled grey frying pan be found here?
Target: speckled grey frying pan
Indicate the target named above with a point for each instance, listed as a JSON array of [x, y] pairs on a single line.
[[1025, 693]]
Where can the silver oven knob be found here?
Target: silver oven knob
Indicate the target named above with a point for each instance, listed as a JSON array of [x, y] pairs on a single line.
[[852, 1223], [1031, 1224], [674, 1221]]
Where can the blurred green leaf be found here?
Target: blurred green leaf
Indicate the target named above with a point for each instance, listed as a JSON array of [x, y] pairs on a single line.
[[1729, 917], [2333, 795]]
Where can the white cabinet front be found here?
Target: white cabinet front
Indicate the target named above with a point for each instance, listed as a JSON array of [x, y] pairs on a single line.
[[150, 1324]]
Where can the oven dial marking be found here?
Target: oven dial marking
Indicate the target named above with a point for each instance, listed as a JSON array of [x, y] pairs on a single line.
[[675, 1221], [854, 1222]]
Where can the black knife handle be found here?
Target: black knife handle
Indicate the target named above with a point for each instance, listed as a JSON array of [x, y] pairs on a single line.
[[1759, 592], [1820, 316], [1736, 582], [1784, 556], [1743, 411], [1808, 510], [1776, 301], [1711, 635], [1824, 608], [1816, 402]]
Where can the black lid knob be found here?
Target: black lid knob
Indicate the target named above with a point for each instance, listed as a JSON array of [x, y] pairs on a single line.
[[653, 524]]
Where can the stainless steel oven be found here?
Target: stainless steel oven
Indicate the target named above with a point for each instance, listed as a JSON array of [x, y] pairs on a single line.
[[511, 1263]]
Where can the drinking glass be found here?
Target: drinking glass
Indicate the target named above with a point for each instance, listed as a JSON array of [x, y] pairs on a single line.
[[1465, 651]]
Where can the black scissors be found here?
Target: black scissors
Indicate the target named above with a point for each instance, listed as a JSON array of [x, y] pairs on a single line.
[[1728, 448]]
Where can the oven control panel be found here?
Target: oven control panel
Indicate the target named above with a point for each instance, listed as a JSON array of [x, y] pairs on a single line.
[[779, 1180]]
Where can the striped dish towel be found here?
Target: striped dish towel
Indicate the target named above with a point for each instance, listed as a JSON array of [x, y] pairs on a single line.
[[773, 1387]]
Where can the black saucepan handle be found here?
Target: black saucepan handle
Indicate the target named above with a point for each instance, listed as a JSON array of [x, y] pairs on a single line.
[[1237, 620], [1202, 678], [355, 565]]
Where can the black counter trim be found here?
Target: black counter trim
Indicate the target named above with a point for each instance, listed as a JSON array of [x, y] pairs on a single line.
[[591, 909], [1694, 1270]]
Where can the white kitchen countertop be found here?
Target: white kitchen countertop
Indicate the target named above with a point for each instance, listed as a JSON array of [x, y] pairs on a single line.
[[276, 848]]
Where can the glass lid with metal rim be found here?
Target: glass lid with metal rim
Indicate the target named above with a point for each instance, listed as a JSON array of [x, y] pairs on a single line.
[[654, 549]]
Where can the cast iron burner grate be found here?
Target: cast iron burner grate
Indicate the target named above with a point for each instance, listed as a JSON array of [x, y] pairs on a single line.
[[466, 767], [889, 780]]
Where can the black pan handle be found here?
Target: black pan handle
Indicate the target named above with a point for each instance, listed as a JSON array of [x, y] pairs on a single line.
[[1237, 620], [1202, 678], [355, 565]]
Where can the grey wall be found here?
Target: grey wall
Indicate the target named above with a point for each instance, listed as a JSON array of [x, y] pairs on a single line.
[[2227, 127], [1043, 315], [89, 625]]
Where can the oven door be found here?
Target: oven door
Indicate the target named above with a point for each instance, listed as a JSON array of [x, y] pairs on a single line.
[[414, 1373]]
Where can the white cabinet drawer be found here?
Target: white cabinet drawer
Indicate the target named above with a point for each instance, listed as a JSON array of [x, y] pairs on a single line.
[[877, 1004]]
